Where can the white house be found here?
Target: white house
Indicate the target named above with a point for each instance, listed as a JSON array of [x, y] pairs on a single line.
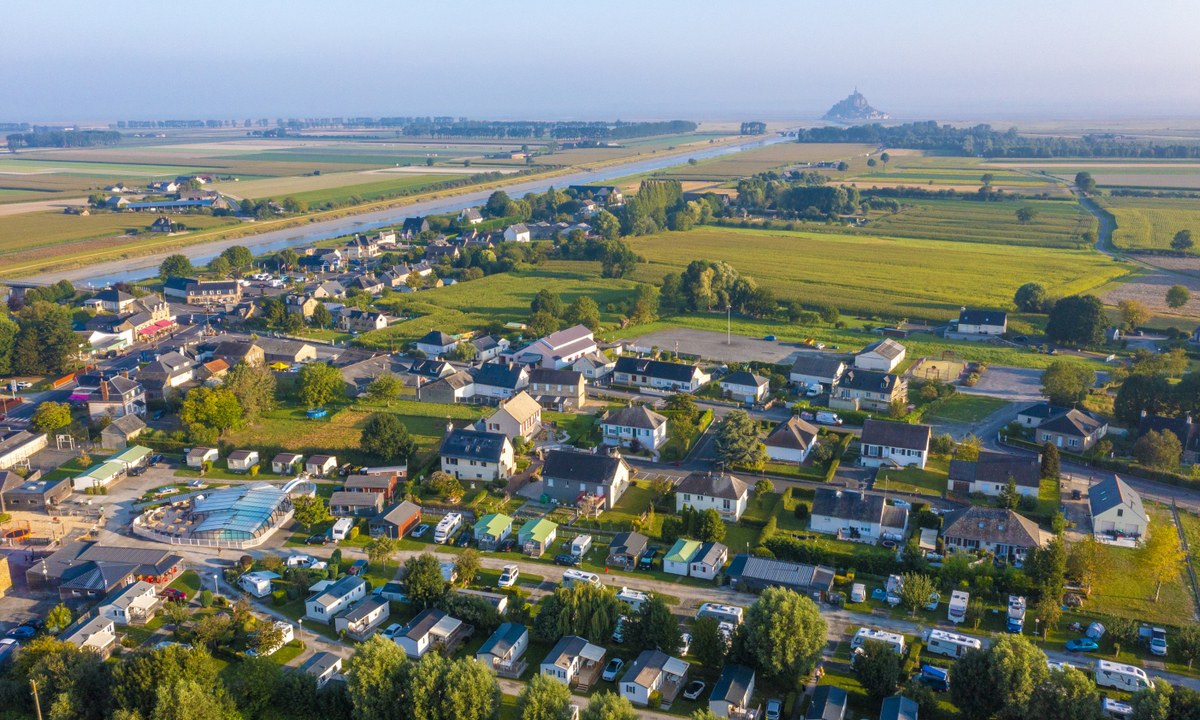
[[989, 475], [791, 440], [473, 455], [572, 660], [817, 369], [856, 516], [653, 671], [330, 602], [362, 619], [133, 604], [724, 493], [242, 460], [429, 627], [99, 634], [658, 374], [594, 366], [709, 561], [436, 343], [519, 416], [517, 233], [499, 381], [636, 424], [982, 323], [678, 559], [882, 355], [324, 666], [731, 695], [321, 465], [894, 444], [557, 350], [745, 387], [286, 463], [1117, 510], [257, 583]]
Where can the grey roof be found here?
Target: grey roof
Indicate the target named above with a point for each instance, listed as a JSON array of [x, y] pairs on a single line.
[[898, 707], [649, 665], [503, 640], [474, 445], [637, 416], [1042, 410], [872, 380], [792, 433], [400, 513], [127, 424], [711, 553], [1072, 422], [1114, 492], [847, 505], [581, 466], [777, 573], [499, 375], [424, 622], [338, 590], [628, 543], [364, 608], [991, 467], [820, 365], [992, 525], [549, 376], [675, 372], [742, 377], [828, 703], [572, 646], [439, 338], [982, 317], [347, 498], [886, 347], [895, 434], [719, 485], [734, 685], [320, 663], [487, 342]]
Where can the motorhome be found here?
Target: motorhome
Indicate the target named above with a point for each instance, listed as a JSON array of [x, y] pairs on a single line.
[[1121, 677], [633, 598], [723, 613], [950, 644], [895, 584], [570, 577], [958, 606], [1016, 613], [580, 545], [446, 528], [341, 529], [1116, 709], [896, 640]]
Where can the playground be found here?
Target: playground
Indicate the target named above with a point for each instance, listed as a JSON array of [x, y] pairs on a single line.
[[949, 368]]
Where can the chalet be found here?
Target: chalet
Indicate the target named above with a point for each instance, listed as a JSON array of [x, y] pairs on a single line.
[[95, 633], [197, 456], [898, 707], [536, 536], [828, 703], [981, 324], [724, 493], [745, 387], [868, 390], [998, 531], [363, 618], [287, 463], [241, 460], [491, 530], [321, 465], [574, 661], [748, 573], [473, 455], [561, 390], [324, 666], [376, 481], [791, 440], [397, 521], [625, 549], [634, 426], [678, 559], [856, 516], [430, 628], [881, 356], [709, 561], [990, 474], [517, 233], [355, 320], [594, 366], [571, 478], [557, 350], [518, 416], [1117, 510], [134, 604], [335, 598], [653, 672], [503, 650], [497, 381], [731, 695], [436, 343], [658, 374], [894, 444], [1074, 431], [343, 503]]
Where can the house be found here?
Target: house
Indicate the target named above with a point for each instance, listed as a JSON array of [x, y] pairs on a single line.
[[791, 440], [606, 194], [233, 352], [517, 233], [518, 416], [98, 476], [625, 549], [161, 377], [573, 661], [731, 694], [722, 492], [471, 216], [989, 475], [397, 521], [580, 478], [635, 426], [330, 602], [82, 570], [982, 323], [302, 305], [561, 390], [455, 388], [324, 666], [119, 432], [749, 574], [258, 582], [436, 343], [492, 529], [709, 561], [535, 536], [893, 444], [594, 366], [344, 503], [678, 559], [361, 620], [430, 627], [413, 226], [205, 293], [999, 531], [242, 460], [355, 320], [868, 390], [116, 397], [321, 465], [1039, 413], [197, 456], [329, 289], [473, 455], [745, 387], [380, 480], [134, 604], [489, 347], [97, 634], [497, 381], [287, 463], [881, 356], [31, 493], [503, 650], [811, 369], [1074, 431], [857, 516], [828, 703], [658, 374], [111, 300], [1117, 510], [653, 671], [898, 707], [431, 369], [557, 350], [1182, 427], [18, 446], [287, 351]]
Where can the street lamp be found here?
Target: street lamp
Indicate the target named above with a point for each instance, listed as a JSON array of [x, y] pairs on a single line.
[[216, 589], [300, 623]]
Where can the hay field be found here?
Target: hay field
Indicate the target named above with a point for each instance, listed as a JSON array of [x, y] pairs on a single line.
[[1057, 223], [872, 274], [1150, 223]]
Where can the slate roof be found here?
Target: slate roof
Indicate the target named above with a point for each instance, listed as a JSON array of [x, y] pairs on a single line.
[[628, 543], [895, 434], [503, 640], [992, 525], [650, 664], [127, 424], [898, 707], [474, 445], [635, 417], [828, 703], [1026, 471], [674, 372], [581, 466], [1073, 422], [572, 646], [720, 485], [819, 365], [364, 608], [982, 317], [793, 433], [499, 375], [338, 590], [734, 685], [871, 380], [1042, 410], [1114, 492], [850, 505], [711, 553], [745, 379], [320, 663], [549, 376], [439, 338]]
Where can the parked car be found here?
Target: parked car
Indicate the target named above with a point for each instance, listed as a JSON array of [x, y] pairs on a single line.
[[420, 530], [567, 560], [646, 561], [391, 631], [173, 595], [508, 577], [618, 634], [139, 470], [464, 540], [22, 632], [506, 545], [902, 504], [155, 459], [769, 338], [694, 689], [613, 669], [774, 709], [1082, 645], [318, 539]]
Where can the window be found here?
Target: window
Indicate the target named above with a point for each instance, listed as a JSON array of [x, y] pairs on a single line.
[[1120, 512]]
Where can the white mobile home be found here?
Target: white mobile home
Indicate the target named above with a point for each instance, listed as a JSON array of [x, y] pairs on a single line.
[[1121, 677], [896, 640], [950, 644]]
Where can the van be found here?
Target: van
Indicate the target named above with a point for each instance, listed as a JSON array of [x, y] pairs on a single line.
[[824, 417], [446, 528], [896, 640], [1116, 709], [633, 598], [858, 593], [572, 576], [1121, 677], [934, 678]]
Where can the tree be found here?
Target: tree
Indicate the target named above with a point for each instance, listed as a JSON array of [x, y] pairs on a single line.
[[423, 575], [709, 645], [58, 619], [606, 225], [544, 699], [1026, 215], [45, 342], [384, 436], [1153, 703], [1077, 320], [467, 566], [50, 416], [653, 626], [219, 266], [682, 407], [975, 612], [737, 442], [238, 257], [208, 413], [464, 352], [1160, 450], [320, 384], [373, 682], [286, 259], [783, 634], [1085, 560], [986, 179], [710, 527], [704, 713], [584, 311], [915, 591], [256, 682], [1085, 182], [547, 301], [385, 388], [1187, 642], [1178, 296], [1050, 461], [585, 610], [763, 487], [1030, 297], [1047, 612], [1182, 241], [971, 688], [446, 485], [309, 511], [1009, 497], [1017, 667], [1066, 694], [877, 668], [1133, 313], [254, 386], [9, 330], [1122, 631], [1143, 393], [175, 266], [321, 316], [1066, 383], [1161, 557], [608, 706], [187, 699], [381, 548]]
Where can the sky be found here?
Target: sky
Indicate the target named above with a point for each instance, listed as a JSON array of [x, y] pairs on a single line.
[[72, 60]]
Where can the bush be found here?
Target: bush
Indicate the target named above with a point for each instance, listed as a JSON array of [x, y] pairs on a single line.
[[253, 471], [279, 597], [768, 531], [912, 661], [655, 699], [802, 511], [206, 598], [353, 533]]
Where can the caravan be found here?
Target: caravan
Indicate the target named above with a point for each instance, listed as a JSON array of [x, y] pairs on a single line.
[[896, 640], [633, 598], [1121, 677], [950, 644], [723, 613], [570, 577], [341, 529], [958, 606], [446, 527]]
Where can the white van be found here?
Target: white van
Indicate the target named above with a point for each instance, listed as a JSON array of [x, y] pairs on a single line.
[[724, 613], [858, 593], [446, 528], [896, 640], [950, 644], [958, 606], [824, 417], [341, 529], [1116, 709], [570, 577], [1121, 677]]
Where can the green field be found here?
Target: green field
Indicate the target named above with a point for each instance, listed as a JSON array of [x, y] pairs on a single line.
[[750, 162], [869, 274], [1150, 223], [960, 408], [31, 231], [1058, 224]]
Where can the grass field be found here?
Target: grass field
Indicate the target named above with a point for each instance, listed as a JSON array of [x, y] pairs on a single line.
[[750, 162], [302, 186], [1057, 224], [32, 231], [1150, 223], [1127, 592], [1181, 174], [963, 409], [862, 273], [930, 481]]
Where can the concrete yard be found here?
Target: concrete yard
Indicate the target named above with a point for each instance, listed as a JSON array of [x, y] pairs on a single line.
[[712, 346]]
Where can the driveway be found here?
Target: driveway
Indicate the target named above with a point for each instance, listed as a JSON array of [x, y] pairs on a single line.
[[1008, 383]]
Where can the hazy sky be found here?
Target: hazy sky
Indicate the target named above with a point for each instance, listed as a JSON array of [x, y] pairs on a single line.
[[951, 59]]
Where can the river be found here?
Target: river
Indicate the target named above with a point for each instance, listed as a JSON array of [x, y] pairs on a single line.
[[139, 268]]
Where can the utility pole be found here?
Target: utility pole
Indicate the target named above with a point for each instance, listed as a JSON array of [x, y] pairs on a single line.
[[37, 704], [728, 327]]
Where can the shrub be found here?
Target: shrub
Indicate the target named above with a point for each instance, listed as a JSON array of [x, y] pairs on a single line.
[[802, 511], [279, 597], [353, 533], [206, 598], [911, 662]]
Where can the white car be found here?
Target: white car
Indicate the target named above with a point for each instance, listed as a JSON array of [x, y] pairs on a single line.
[[694, 689], [391, 631], [685, 643], [508, 577], [902, 504], [613, 670], [618, 634]]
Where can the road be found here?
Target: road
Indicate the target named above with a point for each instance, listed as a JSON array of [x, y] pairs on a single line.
[[133, 269]]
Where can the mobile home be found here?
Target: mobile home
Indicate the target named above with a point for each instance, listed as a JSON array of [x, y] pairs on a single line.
[[446, 528], [896, 640], [724, 613], [570, 577], [633, 598], [950, 644], [1121, 677], [341, 529]]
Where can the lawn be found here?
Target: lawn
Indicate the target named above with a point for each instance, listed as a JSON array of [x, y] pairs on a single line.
[[930, 481], [963, 409], [581, 427], [188, 581], [1126, 592], [1058, 224]]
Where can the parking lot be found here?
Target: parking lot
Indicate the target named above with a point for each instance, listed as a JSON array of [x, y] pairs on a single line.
[[713, 346]]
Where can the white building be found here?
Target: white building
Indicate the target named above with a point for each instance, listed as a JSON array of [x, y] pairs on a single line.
[[135, 603], [983, 323], [257, 583], [855, 516], [429, 627], [557, 350], [636, 424], [745, 387], [653, 671], [882, 355], [791, 440], [474, 455], [724, 493], [334, 599], [1117, 510], [894, 444]]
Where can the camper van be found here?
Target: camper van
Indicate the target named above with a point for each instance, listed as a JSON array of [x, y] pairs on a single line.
[[1016, 613], [958, 606], [934, 678], [446, 528], [896, 640], [341, 529], [950, 644], [1121, 677], [1116, 709], [633, 598], [570, 577], [723, 613]]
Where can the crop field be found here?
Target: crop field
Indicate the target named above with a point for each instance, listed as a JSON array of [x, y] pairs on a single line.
[[33, 231], [1108, 173], [327, 187], [1058, 224], [1150, 223], [778, 155], [897, 276]]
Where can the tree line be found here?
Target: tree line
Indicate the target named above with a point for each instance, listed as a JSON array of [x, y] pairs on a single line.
[[63, 139]]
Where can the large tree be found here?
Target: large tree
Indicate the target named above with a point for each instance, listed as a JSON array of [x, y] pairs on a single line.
[[137, 676], [916, 591], [547, 301], [1030, 298], [1178, 296], [585, 610], [971, 688], [1085, 182], [1162, 557], [320, 384], [653, 626], [385, 388], [737, 442], [1066, 695], [1133, 313], [208, 413], [544, 698], [374, 680], [1065, 382], [175, 266], [384, 436], [310, 510], [423, 576], [187, 699], [45, 342], [877, 668], [1182, 241], [584, 311], [709, 645], [1085, 561], [253, 384], [51, 416], [783, 635], [1160, 450], [709, 526], [1017, 667], [1077, 320], [608, 705], [1141, 392], [238, 257]]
